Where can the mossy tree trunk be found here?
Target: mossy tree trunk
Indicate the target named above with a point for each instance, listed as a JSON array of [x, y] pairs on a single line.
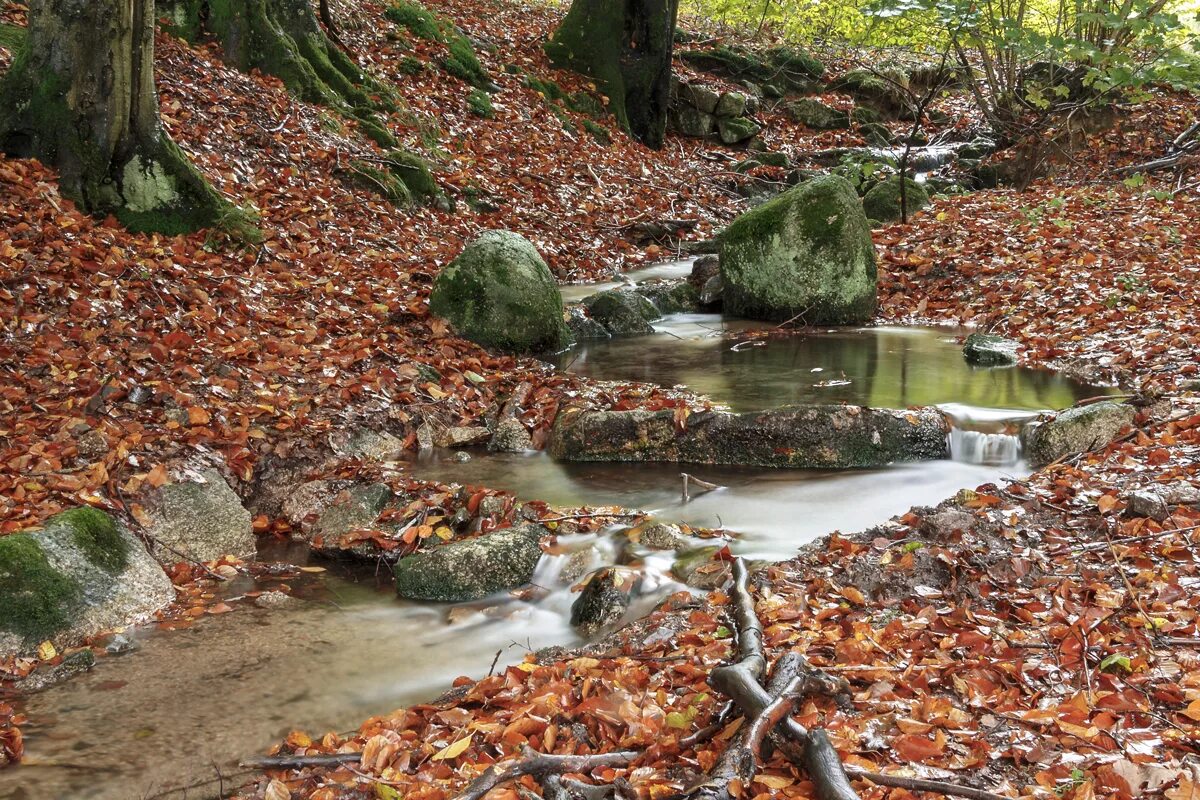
[[625, 45], [80, 97], [284, 39]]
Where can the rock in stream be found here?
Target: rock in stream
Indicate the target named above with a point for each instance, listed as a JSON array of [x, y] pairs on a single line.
[[472, 569]]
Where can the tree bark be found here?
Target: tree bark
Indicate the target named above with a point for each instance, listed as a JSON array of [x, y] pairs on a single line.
[[625, 45], [80, 97]]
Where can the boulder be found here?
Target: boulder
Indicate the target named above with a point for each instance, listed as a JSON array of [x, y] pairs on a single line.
[[807, 253], [884, 92], [882, 201], [582, 326], [471, 569], [622, 312], [671, 296], [815, 114], [462, 436], [658, 535], [510, 436], [734, 130], [1076, 430], [704, 268], [713, 292], [499, 293], [876, 134], [604, 600], [689, 121], [198, 517], [699, 97], [731, 104], [816, 437], [985, 350], [353, 509], [81, 573]]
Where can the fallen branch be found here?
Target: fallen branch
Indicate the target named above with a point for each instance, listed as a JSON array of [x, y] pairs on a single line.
[[924, 785], [296, 761], [541, 765]]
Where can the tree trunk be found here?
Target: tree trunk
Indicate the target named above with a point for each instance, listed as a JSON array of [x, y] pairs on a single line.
[[80, 97], [625, 45]]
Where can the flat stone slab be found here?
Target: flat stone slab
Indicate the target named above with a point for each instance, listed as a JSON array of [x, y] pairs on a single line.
[[812, 437]]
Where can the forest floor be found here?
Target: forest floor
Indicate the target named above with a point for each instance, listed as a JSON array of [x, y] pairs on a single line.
[[1039, 640]]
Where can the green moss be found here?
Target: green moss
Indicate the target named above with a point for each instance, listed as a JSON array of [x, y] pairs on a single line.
[[792, 68], [410, 66], [95, 533], [375, 131], [549, 90], [480, 104], [598, 132], [414, 171], [35, 599], [417, 19], [882, 202], [380, 181], [462, 63], [11, 37]]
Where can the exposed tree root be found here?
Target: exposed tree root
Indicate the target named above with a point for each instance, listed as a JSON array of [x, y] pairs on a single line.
[[542, 767]]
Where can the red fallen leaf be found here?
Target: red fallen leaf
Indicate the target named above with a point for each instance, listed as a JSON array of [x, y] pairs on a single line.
[[914, 747]]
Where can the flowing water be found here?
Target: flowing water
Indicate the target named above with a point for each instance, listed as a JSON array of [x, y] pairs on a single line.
[[187, 704]]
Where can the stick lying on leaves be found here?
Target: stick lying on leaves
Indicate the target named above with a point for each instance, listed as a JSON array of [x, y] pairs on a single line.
[[770, 727]]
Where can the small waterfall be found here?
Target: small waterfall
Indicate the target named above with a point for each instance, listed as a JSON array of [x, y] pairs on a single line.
[[985, 449]]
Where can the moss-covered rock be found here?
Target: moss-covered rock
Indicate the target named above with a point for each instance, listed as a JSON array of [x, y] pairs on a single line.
[[622, 312], [806, 254], [731, 104], [689, 121], [816, 437], [985, 350], [1076, 430], [815, 114], [472, 569], [671, 296], [735, 130], [500, 293], [884, 92], [77, 575], [583, 327], [781, 68], [882, 201], [480, 104]]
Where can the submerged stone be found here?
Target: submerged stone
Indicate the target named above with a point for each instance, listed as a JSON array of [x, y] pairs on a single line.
[[816, 437], [583, 327], [79, 574], [499, 293], [986, 350], [807, 254], [1076, 430], [472, 569]]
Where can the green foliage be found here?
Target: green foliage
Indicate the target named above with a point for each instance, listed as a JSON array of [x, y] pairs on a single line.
[[460, 59], [462, 63], [410, 66], [419, 20]]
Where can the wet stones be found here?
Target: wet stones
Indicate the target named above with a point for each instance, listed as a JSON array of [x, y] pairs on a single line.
[[79, 574], [1076, 430], [198, 517], [817, 437], [622, 312], [472, 569], [698, 111], [604, 600], [985, 350], [805, 255]]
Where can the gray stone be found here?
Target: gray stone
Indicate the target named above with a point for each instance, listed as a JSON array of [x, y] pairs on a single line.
[[471, 569], [700, 97], [499, 293], [817, 437], [713, 291], [274, 600], [731, 104], [882, 201], [92, 445], [1076, 430], [622, 312], [78, 575], [704, 268], [354, 509], [198, 517], [660, 536], [670, 296], [510, 436], [734, 130], [990, 351], [806, 254], [814, 114], [697, 569], [1148, 502], [604, 600], [583, 327], [305, 502], [462, 436], [367, 444], [688, 121], [72, 665]]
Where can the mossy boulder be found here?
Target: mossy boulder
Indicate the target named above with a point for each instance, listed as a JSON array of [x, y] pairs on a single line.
[[582, 326], [499, 293], [814, 114], [1076, 430], [805, 254], [77, 575], [882, 201], [689, 121], [735, 130], [472, 569], [884, 92], [731, 104], [355, 509], [985, 350], [671, 296], [198, 517], [814, 437], [622, 312]]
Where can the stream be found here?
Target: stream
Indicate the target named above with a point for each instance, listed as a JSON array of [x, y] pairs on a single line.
[[186, 704]]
